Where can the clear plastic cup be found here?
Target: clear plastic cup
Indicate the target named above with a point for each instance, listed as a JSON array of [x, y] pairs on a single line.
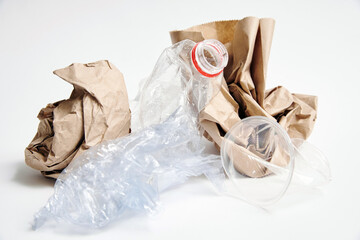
[[261, 160]]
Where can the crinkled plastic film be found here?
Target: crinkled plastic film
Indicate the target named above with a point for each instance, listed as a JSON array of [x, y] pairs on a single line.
[[128, 173]]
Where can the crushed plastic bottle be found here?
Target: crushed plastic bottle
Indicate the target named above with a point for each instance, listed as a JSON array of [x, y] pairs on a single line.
[[127, 174], [186, 74]]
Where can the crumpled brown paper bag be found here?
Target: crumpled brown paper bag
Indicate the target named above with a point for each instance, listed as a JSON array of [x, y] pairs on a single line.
[[248, 42], [97, 110]]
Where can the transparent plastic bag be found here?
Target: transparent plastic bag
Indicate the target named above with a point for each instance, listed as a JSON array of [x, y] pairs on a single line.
[[128, 173]]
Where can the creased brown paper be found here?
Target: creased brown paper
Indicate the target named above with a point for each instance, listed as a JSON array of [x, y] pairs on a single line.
[[248, 42], [97, 110]]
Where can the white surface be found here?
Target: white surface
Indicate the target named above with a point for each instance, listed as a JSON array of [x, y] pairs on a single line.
[[315, 51]]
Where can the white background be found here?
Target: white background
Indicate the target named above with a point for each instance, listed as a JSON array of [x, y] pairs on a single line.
[[315, 50]]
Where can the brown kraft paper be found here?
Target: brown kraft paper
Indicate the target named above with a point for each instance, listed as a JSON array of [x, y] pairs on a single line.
[[248, 42], [97, 110]]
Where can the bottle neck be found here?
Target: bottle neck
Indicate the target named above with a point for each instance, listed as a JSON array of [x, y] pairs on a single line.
[[209, 57]]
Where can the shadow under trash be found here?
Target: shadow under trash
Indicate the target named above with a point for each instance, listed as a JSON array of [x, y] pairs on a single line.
[[26, 176], [128, 221]]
